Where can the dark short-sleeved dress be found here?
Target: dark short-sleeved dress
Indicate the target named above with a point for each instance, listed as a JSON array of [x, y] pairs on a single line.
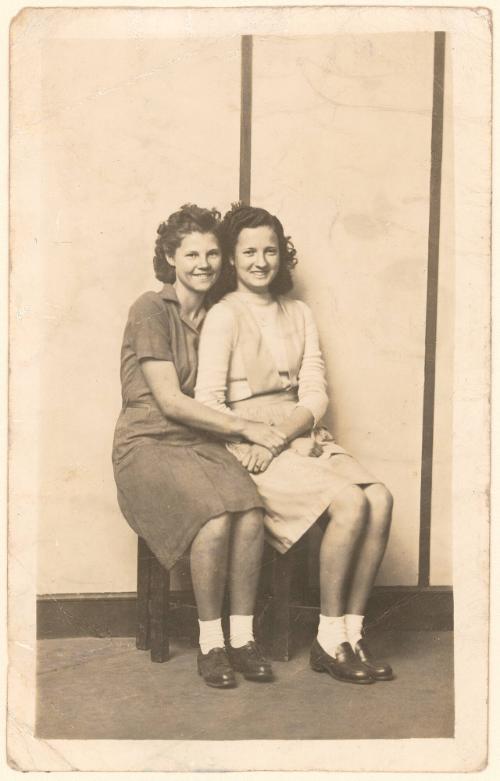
[[171, 478]]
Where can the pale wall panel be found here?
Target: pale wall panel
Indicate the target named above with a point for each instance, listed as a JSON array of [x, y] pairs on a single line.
[[129, 130], [341, 152]]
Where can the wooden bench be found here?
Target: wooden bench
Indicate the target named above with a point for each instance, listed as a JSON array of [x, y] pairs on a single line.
[[153, 597]]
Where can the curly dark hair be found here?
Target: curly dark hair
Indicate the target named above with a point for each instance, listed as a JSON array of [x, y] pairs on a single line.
[[188, 219], [235, 220]]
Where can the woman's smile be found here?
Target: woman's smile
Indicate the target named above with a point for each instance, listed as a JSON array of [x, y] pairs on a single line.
[[256, 259], [197, 261], [204, 274]]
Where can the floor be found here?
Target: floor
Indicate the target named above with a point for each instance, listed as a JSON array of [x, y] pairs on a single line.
[[105, 688]]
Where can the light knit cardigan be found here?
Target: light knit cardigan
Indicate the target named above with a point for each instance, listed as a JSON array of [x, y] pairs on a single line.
[[239, 360]]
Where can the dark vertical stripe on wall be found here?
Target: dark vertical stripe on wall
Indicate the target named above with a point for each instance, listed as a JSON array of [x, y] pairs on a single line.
[[431, 313], [246, 119]]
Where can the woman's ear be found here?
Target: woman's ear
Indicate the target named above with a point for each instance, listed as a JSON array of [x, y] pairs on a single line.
[[170, 260], [231, 260]]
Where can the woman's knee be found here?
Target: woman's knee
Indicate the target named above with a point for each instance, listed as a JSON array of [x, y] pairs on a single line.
[[350, 507], [251, 524], [381, 502], [380, 499], [216, 530]]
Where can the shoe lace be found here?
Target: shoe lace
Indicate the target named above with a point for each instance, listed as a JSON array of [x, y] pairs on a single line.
[[221, 662], [254, 651]]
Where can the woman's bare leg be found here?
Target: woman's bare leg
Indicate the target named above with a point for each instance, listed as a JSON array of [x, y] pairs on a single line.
[[209, 563], [372, 547], [348, 516], [331, 651], [246, 555], [244, 569]]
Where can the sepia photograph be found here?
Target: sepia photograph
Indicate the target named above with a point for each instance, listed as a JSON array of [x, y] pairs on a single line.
[[249, 388]]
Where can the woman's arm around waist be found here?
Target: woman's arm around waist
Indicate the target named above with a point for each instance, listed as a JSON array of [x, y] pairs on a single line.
[[149, 334], [163, 382]]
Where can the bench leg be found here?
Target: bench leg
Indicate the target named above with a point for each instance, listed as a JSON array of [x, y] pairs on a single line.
[[282, 579], [158, 611], [142, 639]]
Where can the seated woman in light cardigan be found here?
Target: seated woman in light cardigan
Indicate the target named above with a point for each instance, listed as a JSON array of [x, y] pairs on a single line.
[[259, 357]]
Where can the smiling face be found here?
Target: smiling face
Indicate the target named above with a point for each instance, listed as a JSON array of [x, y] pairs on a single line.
[[197, 262], [256, 259]]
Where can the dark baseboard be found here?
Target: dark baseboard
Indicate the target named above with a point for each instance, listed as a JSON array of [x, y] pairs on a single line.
[[113, 615]]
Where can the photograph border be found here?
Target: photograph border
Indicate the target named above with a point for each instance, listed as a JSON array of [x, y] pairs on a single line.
[[471, 62]]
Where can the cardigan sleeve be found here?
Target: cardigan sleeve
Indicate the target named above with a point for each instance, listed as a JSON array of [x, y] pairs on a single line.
[[311, 378], [214, 357]]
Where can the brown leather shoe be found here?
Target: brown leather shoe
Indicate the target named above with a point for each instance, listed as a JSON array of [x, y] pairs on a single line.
[[344, 666], [215, 669], [249, 660], [379, 670]]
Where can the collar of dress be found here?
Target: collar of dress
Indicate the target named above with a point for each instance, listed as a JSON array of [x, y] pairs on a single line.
[[168, 294]]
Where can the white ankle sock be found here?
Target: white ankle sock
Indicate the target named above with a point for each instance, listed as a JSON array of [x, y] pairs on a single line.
[[354, 626], [331, 633], [240, 630], [211, 635]]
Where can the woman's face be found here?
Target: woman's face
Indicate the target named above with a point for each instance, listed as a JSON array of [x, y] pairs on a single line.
[[197, 261], [256, 259]]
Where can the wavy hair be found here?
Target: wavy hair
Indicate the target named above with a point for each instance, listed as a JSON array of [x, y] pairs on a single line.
[[237, 219], [188, 219]]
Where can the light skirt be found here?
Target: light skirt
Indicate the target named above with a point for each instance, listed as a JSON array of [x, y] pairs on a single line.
[[296, 489]]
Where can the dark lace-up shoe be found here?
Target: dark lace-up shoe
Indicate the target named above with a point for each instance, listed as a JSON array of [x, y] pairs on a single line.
[[344, 666], [249, 660], [379, 670], [215, 669]]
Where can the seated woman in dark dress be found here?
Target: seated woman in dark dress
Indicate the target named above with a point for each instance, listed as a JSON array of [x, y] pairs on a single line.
[[178, 486]]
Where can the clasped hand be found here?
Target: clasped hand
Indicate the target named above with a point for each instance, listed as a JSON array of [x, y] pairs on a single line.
[[254, 458], [265, 436]]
